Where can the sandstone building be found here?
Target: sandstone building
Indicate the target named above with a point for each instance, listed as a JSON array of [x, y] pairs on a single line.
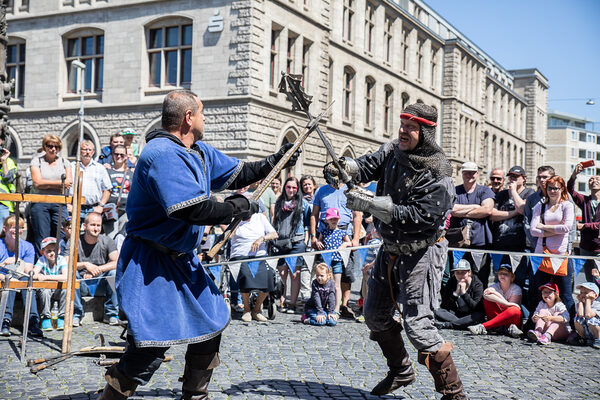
[[371, 57]]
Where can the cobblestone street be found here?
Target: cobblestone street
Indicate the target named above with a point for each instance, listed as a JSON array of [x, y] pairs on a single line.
[[283, 359]]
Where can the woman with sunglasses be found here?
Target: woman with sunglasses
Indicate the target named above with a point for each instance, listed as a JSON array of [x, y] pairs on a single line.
[[550, 223], [47, 169], [291, 221]]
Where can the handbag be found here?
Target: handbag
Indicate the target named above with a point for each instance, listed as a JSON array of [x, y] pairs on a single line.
[[459, 237], [282, 246], [552, 265]]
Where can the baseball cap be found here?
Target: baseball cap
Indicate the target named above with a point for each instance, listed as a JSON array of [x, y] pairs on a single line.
[[469, 166], [517, 171], [506, 267], [551, 286], [462, 265], [46, 242], [589, 285], [128, 131], [332, 213]]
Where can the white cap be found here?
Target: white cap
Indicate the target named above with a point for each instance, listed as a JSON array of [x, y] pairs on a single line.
[[469, 166]]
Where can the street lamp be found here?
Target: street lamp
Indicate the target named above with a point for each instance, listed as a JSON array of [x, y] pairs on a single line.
[[81, 77]]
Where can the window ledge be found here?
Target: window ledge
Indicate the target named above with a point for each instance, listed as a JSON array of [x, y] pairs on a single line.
[[368, 53], [273, 92], [368, 129], [347, 123], [16, 102], [161, 91], [86, 96], [346, 41]]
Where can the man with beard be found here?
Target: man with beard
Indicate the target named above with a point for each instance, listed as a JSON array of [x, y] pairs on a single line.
[[162, 288], [413, 198]]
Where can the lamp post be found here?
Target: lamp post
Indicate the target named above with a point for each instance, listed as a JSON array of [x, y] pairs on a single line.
[[81, 78]]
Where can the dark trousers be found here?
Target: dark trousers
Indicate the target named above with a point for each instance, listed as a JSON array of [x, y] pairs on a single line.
[[459, 322], [10, 304], [140, 363], [44, 218]]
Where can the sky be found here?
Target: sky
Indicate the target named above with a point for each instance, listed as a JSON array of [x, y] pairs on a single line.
[[559, 38]]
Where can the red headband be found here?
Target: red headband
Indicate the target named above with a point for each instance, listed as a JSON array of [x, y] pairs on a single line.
[[418, 119]]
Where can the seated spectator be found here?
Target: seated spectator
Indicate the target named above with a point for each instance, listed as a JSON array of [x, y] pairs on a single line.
[[26, 256], [250, 240], [461, 299], [47, 169], [51, 267], [587, 319], [320, 308], [334, 238], [96, 258], [502, 304], [66, 229], [589, 226], [496, 180], [551, 317], [291, 221], [551, 222]]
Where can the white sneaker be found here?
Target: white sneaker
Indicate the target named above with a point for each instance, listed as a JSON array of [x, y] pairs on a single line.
[[247, 317], [478, 329], [76, 322], [513, 331], [258, 317]]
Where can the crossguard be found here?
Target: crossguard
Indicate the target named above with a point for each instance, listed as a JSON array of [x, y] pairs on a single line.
[[291, 85]]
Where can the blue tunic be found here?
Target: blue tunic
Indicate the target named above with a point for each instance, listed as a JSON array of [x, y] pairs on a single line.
[[169, 302]]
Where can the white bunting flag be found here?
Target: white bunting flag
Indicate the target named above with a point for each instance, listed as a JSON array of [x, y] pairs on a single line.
[[345, 253]]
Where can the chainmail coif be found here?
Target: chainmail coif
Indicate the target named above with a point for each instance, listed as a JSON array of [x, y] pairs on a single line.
[[427, 155]]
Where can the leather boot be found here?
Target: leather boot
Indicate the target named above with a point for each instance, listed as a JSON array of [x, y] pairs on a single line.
[[118, 386], [196, 376], [444, 373], [400, 371]]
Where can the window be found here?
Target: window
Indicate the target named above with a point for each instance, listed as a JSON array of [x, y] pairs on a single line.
[[348, 15], [89, 49], [387, 109], [347, 95], [15, 68], [305, 59], [289, 59], [420, 43], [369, 101], [405, 99], [369, 27], [404, 49], [581, 186], [581, 153], [574, 135], [273, 67], [582, 136], [573, 152], [170, 56], [590, 138], [434, 70], [387, 39]]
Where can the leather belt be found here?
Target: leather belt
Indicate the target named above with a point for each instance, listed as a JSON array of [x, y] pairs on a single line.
[[174, 255], [407, 249]]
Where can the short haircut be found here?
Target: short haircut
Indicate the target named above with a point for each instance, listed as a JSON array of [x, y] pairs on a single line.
[[86, 220], [87, 141], [116, 135], [174, 107], [546, 168], [50, 138], [121, 146]]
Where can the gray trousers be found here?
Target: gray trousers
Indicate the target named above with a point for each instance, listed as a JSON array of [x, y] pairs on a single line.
[[416, 284], [46, 296], [305, 281]]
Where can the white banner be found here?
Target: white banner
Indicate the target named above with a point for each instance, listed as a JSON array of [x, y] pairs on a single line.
[[309, 259], [345, 253]]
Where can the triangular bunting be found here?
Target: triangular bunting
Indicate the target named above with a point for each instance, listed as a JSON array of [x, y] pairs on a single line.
[[477, 258], [291, 262], [327, 258], [496, 260], [577, 265], [253, 267], [457, 256], [215, 270], [309, 259], [345, 253], [92, 285], [535, 263], [515, 261], [111, 282], [272, 262], [235, 270], [363, 253]]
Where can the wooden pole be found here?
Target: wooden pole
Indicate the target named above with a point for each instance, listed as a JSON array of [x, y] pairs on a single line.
[[73, 248]]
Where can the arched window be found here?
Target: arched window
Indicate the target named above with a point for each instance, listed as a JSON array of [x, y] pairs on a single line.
[[369, 101], [347, 95], [169, 46], [70, 140], [87, 46], [405, 100], [388, 105]]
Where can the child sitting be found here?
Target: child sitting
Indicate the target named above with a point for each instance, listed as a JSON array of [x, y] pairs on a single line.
[[587, 320], [551, 317], [319, 309], [50, 267], [335, 238]]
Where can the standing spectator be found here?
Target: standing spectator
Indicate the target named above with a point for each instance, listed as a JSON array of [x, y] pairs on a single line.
[[474, 204], [8, 175], [51, 267], [308, 186], [95, 184], [120, 178], [267, 199], [589, 226], [551, 317], [249, 241], [47, 168], [97, 258], [461, 299], [276, 186], [105, 153], [319, 309], [544, 173], [587, 320], [327, 197], [551, 223], [291, 221], [128, 135], [502, 303], [496, 180], [7, 256], [131, 159]]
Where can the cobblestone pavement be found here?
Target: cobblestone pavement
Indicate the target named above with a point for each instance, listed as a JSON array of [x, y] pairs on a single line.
[[283, 359]]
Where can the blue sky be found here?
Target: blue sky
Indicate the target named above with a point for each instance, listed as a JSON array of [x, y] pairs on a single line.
[[560, 38]]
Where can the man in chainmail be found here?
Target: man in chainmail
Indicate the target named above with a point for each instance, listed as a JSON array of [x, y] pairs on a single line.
[[413, 198]]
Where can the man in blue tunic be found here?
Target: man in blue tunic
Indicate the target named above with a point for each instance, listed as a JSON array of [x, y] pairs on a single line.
[[161, 286]]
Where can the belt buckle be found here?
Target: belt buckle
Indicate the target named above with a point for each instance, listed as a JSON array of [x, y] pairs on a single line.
[[404, 248]]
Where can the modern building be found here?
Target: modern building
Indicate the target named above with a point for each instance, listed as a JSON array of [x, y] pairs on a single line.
[[569, 141], [371, 58]]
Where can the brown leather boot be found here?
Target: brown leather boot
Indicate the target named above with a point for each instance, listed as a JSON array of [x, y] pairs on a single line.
[[401, 372], [444, 373], [118, 386], [196, 376]]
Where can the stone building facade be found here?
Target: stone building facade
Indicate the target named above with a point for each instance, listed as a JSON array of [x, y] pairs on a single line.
[[370, 57]]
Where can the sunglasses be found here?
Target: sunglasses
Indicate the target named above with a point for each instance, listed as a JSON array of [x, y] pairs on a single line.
[[120, 154], [495, 178], [553, 188], [53, 146]]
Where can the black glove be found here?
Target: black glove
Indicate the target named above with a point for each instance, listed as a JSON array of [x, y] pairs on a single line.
[[332, 174], [243, 207], [274, 158]]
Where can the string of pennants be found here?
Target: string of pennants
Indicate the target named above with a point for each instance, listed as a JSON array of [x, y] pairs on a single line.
[[515, 260], [92, 283]]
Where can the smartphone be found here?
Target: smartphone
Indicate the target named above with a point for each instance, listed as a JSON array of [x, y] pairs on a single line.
[[587, 164]]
